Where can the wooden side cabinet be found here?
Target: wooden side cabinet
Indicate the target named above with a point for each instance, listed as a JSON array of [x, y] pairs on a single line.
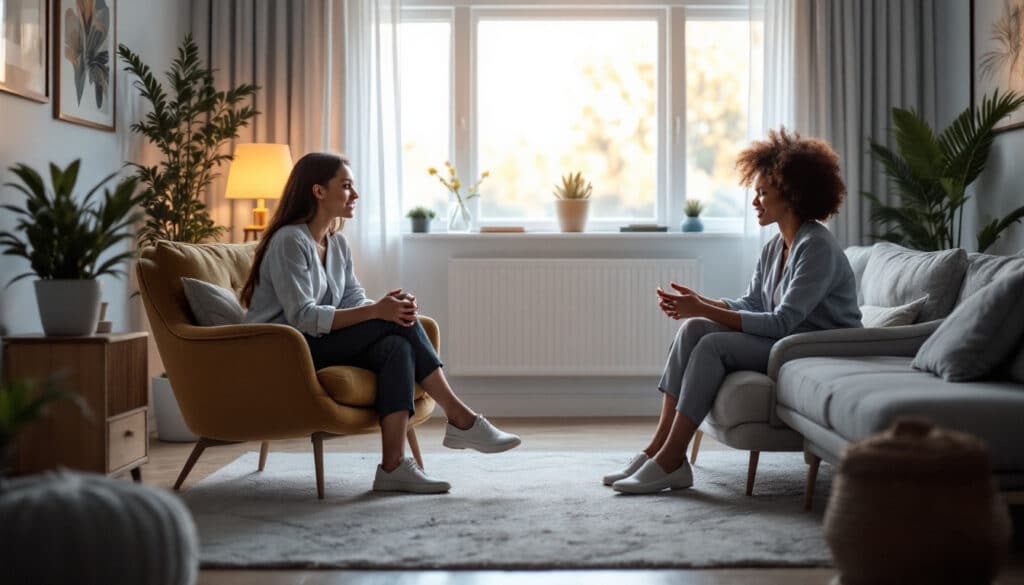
[[110, 373]]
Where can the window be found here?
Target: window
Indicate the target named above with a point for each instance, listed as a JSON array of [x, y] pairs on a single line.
[[649, 103]]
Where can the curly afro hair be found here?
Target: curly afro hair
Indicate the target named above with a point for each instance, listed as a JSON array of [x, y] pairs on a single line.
[[804, 170]]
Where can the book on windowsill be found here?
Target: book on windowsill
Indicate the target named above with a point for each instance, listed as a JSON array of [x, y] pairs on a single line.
[[502, 229], [643, 227]]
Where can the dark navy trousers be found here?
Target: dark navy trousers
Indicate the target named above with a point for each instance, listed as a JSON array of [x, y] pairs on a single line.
[[400, 356]]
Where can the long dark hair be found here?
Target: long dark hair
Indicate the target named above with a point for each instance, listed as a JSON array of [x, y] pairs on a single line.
[[297, 205]]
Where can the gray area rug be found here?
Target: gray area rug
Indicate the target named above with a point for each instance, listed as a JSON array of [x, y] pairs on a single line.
[[518, 510]]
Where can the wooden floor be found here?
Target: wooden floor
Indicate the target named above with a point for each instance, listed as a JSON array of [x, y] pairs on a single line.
[[591, 434]]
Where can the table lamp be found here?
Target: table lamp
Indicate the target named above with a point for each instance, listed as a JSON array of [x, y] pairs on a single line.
[[259, 171]]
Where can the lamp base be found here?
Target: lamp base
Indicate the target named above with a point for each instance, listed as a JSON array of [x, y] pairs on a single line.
[[259, 215]]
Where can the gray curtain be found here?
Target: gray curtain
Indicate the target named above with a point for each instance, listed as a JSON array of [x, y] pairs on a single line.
[[855, 61]]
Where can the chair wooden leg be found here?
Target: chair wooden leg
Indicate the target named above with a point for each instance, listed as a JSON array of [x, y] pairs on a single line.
[[752, 471], [696, 446], [264, 450], [318, 462], [813, 461], [137, 475], [201, 446], [414, 446]]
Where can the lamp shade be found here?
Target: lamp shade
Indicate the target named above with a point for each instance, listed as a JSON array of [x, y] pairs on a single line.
[[259, 171]]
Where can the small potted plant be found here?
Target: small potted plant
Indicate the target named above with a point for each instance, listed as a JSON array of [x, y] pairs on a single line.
[[63, 236], [20, 405], [459, 218], [572, 202], [692, 223], [421, 217]]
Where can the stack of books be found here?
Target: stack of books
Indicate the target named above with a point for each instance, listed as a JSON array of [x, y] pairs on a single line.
[[502, 229], [643, 227]]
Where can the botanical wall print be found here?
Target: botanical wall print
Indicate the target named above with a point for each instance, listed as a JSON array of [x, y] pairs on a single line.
[[84, 52], [997, 47], [23, 46]]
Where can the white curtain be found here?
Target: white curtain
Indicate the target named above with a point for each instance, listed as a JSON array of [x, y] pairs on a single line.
[[326, 71]]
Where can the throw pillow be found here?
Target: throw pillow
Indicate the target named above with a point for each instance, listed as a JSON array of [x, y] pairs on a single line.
[[858, 257], [211, 304], [896, 276], [872, 316], [984, 268], [978, 335]]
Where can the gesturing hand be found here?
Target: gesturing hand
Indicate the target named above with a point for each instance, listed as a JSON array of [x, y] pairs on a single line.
[[679, 306], [397, 307]]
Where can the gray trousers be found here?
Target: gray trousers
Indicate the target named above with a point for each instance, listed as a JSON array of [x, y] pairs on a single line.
[[702, 354]]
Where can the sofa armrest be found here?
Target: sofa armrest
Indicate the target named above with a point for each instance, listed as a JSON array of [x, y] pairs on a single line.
[[893, 341]]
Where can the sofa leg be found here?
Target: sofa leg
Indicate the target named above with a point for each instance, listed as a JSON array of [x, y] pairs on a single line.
[[414, 446], [697, 436], [752, 471], [201, 446], [318, 463], [813, 461], [264, 449]]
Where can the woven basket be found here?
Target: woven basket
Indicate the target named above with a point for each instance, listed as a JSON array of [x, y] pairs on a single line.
[[916, 504]]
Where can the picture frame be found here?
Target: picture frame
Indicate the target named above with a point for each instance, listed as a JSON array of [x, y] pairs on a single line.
[[24, 49], [997, 54], [83, 30]]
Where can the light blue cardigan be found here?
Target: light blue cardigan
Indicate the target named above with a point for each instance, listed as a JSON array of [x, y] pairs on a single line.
[[295, 289], [818, 289]]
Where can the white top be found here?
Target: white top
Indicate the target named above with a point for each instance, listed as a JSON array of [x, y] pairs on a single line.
[[295, 289]]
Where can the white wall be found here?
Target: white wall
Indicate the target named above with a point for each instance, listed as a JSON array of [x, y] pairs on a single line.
[[1000, 189], [31, 135]]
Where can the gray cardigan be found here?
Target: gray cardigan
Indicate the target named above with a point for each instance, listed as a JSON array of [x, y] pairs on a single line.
[[817, 287], [295, 289]]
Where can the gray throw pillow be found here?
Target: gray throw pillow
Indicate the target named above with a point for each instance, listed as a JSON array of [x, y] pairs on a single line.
[[979, 334], [211, 304], [858, 257], [896, 276], [984, 268], [872, 316]]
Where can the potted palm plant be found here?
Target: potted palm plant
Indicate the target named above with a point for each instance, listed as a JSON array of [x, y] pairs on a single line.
[[65, 237], [931, 173], [572, 200]]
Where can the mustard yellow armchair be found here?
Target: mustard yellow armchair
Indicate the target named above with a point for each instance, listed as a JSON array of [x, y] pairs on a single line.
[[252, 382]]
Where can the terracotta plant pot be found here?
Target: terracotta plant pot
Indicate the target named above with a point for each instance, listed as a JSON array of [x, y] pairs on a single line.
[[572, 214]]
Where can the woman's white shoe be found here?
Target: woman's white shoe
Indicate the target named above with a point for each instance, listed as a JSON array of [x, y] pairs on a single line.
[[408, 477], [651, 478], [482, 436], [634, 464]]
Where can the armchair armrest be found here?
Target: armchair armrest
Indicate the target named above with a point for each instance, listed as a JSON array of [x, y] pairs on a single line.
[[894, 341]]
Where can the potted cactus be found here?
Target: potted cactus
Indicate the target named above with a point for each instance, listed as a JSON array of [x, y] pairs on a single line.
[[692, 223], [421, 217], [572, 200]]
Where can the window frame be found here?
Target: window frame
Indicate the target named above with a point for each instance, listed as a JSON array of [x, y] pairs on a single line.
[[671, 17]]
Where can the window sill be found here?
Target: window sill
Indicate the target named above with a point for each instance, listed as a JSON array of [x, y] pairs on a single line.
[[588, 236]]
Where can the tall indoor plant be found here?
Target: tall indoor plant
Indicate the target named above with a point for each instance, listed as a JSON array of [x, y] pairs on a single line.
[[64, 237], [189, 123], [932, 172]]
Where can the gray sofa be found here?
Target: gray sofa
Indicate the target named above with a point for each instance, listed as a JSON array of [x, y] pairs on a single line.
[[837, 387]]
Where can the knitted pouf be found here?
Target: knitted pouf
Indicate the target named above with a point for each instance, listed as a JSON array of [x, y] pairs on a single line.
[[84, 529], [916, 504]]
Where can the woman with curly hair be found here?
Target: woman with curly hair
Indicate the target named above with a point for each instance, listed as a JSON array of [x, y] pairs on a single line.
[[803, 282]]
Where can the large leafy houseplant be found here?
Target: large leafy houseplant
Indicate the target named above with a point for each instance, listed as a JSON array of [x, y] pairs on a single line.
[[66, 239], [932, 172], [189, 123]]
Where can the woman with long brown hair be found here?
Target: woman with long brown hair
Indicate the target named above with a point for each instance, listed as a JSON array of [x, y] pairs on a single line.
[[302, 276]]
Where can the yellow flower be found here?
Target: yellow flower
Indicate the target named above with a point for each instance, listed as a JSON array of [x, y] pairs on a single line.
[[432, 171], [456, 184], [485, 174], [451, 171]]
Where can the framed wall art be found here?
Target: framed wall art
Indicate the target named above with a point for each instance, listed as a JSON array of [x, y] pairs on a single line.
[[997, 52], [84, 50], [24, 46]]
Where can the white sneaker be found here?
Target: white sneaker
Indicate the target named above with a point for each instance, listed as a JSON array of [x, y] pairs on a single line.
[[482, 436], [408, 477], [651, 478], [634, 464]]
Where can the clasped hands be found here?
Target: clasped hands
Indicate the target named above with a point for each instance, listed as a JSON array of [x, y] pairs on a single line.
[[680, 306], [398, 307]]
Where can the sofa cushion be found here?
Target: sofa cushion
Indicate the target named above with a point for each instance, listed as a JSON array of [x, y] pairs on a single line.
[[865, 395], [980, 333], [743, 397], [896, 276], [858, 257], [982, 269], [872, 316], [211, 304], [353, 386]]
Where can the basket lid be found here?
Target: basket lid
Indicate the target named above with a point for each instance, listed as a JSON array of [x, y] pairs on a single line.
[[914, 447]]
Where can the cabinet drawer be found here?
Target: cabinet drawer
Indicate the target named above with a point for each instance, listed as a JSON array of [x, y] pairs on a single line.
[[126, 440]]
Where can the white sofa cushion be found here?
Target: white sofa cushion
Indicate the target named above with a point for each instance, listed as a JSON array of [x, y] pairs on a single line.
[[872, 316]]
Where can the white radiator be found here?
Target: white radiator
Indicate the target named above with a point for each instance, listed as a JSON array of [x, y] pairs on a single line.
[[578, 317]]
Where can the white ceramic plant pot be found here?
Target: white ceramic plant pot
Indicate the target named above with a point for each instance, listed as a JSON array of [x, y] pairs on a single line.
[[572, 214], [170, 425], [68, 307]]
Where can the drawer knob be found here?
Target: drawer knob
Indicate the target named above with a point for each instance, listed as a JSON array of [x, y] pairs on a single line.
[[128, 434]]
